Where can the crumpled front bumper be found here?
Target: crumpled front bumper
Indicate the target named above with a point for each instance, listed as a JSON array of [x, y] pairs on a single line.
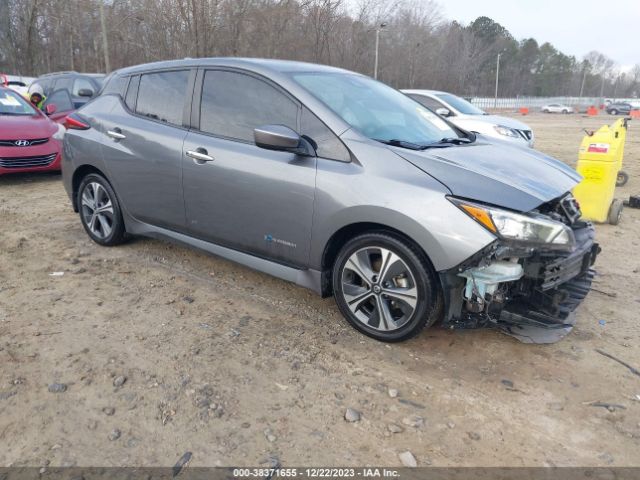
[[540, 306], [559, 285]]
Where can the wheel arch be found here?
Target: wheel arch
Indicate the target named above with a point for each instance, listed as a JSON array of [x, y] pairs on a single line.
[[341, 236], [78, 174]]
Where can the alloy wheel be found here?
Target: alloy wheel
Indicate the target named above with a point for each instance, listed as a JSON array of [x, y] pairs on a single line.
[[379, 288], [97, 210]]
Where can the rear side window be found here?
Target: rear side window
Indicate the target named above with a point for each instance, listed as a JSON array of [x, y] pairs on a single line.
[[116, 84], [233, 104], [161, 96]]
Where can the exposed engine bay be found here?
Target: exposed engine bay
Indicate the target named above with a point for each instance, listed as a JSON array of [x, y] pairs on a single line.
[[529, 292]]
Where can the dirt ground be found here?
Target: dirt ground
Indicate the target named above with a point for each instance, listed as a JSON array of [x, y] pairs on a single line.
[[241, 369]]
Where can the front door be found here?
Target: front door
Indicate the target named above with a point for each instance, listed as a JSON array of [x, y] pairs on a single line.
[[237, 194]]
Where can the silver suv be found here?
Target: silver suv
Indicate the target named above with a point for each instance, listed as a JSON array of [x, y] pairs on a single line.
[[338, 183]]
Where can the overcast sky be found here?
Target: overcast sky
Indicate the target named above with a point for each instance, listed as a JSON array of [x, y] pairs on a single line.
[[573, 26]]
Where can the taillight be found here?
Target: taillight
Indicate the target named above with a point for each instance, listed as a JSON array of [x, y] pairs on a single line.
[[76, 122]]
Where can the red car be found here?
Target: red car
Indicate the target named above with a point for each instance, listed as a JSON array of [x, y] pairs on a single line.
[[29, 140]]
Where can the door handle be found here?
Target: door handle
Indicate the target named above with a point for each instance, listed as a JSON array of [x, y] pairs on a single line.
[[116, 134], [200, 156]]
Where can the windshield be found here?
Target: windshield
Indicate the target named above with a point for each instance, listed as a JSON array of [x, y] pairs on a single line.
[[460, 104], [376, 110], [11, 103]]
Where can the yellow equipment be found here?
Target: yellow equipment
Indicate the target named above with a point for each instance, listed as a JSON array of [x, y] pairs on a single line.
[[600, 163]]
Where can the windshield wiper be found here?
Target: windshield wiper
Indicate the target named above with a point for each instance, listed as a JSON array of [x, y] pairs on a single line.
[[401, 143], [447, 142]]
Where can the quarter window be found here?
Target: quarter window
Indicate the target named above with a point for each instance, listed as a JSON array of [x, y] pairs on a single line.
[[427, 102], [116, 84], [233, 104], [328, 144], [161, 96], [132, 93]]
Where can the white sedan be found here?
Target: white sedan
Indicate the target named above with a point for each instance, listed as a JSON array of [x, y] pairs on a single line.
[[557, 108]]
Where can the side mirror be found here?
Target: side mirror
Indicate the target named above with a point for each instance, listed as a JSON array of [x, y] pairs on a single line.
[[279, 137], [50, 109], [85, 92], [443, 112]]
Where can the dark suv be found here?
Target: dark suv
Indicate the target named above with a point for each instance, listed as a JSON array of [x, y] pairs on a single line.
[[82, 87], [619, 107]]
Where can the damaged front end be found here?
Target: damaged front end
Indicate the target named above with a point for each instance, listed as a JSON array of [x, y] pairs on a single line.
[[528, 282]]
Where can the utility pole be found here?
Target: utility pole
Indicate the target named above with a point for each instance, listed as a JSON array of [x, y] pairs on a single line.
[[584, 78], [375, 64], [105, 42], [495, 96]]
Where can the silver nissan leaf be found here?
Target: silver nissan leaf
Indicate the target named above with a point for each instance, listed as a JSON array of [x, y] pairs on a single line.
[[336, 182]]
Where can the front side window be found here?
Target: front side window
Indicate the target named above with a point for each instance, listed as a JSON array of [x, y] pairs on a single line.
[[12, 103], [375, 109], [161, 96], [61, 99], [234, 104], [82, 84]]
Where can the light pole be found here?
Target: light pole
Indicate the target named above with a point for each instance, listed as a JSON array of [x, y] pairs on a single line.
[[105, 41], [495, 96], [375, 65]]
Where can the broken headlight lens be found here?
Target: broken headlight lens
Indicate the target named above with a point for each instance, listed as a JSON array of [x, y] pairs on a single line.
[[531, 229]]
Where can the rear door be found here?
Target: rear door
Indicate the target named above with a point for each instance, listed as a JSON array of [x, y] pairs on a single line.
[[144, 142], [245, 197]]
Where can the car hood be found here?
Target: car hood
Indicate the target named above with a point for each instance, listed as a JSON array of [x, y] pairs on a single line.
[[491, 120], [502, 175], [25, 127]]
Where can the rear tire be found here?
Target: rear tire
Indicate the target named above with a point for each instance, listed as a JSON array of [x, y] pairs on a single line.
[[385, 287], [615, 211], [613, 112], [622, 179], [100, 212]]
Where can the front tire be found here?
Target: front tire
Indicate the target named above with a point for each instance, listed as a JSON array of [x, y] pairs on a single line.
[[385, 287], [613, 112], [100, 212]]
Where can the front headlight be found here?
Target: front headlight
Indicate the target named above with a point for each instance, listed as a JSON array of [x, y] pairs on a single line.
[[506, 131], [59, 135], [529, 229]]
